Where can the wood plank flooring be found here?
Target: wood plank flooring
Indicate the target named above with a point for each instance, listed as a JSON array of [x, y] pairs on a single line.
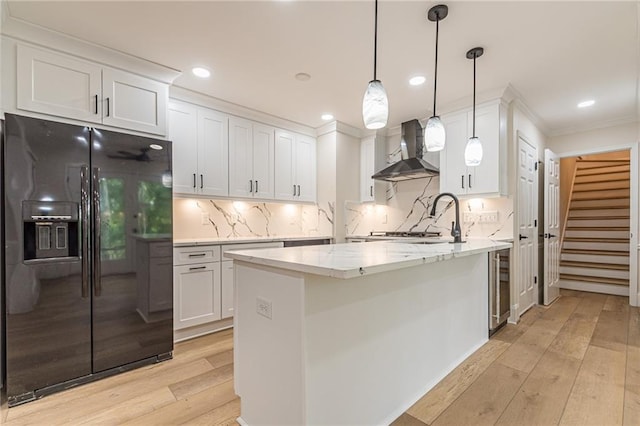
[[576, 362]]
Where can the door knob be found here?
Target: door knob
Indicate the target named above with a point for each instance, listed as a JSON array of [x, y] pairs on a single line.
[[522, 237]]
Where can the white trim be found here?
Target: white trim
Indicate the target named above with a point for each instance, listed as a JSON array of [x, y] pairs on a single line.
[[617, 290], [339, 127], [200, 99], [593, 126]]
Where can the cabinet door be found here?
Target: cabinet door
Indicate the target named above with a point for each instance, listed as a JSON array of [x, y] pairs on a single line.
[[183, 125], [263, 161], [284, 162], [59, 85], [227, 289], [453, 172], [134, 102], [367, 166], [213, 153], [240, 158], [486, 176], [305, 168], [197, 294]]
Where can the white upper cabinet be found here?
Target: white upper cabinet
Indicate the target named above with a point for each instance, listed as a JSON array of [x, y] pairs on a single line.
[[183, 133], [251, 159], [65, 86], [134, 102], [295, 167], [488, 178], [59, 85], [200, 150], [367, 169]]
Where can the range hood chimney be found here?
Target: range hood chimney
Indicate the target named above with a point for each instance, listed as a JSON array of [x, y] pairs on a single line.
[[412, 166]]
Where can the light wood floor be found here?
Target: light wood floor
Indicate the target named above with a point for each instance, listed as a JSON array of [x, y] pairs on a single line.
[[575, 362]]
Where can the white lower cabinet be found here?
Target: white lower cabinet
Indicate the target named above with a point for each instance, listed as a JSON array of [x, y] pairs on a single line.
[[227, 289], [196, 286]]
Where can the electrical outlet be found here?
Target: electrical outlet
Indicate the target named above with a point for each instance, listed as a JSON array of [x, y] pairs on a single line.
[[263, 307], [488, 216], [204, 217]]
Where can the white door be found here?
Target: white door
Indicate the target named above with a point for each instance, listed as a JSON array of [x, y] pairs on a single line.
[[263, 159], [59, 85], [183, 133], [134, 102], [213, 153], [305, 168], [240, 158], [527, 239], [551, 226], [283, 181]]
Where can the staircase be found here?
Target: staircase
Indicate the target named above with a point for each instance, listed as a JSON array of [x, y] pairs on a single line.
[[595, 248]]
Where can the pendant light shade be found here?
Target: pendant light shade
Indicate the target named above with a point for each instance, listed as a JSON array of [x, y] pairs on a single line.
[[473, 150], [434, 133], [375, 105]]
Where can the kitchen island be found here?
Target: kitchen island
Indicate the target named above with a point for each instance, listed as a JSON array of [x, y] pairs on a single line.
[[353, 333]]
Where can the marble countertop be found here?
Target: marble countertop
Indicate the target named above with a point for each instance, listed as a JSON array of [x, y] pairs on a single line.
[[185, 242], [353, 260]]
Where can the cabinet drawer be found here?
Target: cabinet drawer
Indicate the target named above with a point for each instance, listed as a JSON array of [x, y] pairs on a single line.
[[196, 254], [160, 250]]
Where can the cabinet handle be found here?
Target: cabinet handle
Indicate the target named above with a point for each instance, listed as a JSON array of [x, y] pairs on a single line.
[[256, 187], [298, 190], [201, 181], [194, 180], [250, 185], [294, 190], [469, 181], [462, 176], [96, 97], [197, 255], [107, 107], [197, 267], [371, 190]]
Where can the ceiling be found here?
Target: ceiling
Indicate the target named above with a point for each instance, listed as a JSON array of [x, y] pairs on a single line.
[[555, 54]]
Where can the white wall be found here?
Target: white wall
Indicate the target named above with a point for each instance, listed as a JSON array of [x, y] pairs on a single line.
[[609, 137]]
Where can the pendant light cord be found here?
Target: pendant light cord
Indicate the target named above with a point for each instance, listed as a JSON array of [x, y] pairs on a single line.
[[474, 94], [435, 74], [375, 43]]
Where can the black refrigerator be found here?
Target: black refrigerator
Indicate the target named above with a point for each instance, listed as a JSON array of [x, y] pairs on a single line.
[[83, 208]]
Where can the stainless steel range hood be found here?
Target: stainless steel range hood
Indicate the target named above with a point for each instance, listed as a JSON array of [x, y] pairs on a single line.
[[412, 165]]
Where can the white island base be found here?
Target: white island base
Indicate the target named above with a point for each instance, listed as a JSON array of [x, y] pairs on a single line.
[[356, 351]]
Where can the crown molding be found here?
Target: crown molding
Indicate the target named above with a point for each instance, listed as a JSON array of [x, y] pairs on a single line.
[[197, 98], [23, 31], [595, 126]]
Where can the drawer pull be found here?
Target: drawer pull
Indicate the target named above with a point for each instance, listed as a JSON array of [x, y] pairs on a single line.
[[197, 255], [197, 267]]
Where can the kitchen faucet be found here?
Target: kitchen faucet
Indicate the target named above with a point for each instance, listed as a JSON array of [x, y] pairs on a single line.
[[456, 233]]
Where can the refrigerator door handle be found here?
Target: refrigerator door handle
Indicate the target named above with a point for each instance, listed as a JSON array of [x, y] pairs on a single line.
[[84, 217], [97, 285]]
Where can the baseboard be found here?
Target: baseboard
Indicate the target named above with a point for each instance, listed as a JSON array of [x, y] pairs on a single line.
[[615, 290], [201, 330]]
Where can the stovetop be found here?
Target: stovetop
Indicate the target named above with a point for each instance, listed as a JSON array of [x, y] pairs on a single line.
[[407, 234]]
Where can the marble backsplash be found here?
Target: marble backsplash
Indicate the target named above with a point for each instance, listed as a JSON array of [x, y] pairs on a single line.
[[407, 209], [213, 218]]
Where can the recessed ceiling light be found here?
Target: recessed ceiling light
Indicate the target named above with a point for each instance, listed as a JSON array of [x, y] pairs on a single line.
[[155, 146], [201, 72], [585, 104], [303, 76], [417, 80], [327, 117]]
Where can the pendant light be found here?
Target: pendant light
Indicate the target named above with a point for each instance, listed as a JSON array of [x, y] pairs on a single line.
[[473, 150], [375, 105], [434, 134]]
